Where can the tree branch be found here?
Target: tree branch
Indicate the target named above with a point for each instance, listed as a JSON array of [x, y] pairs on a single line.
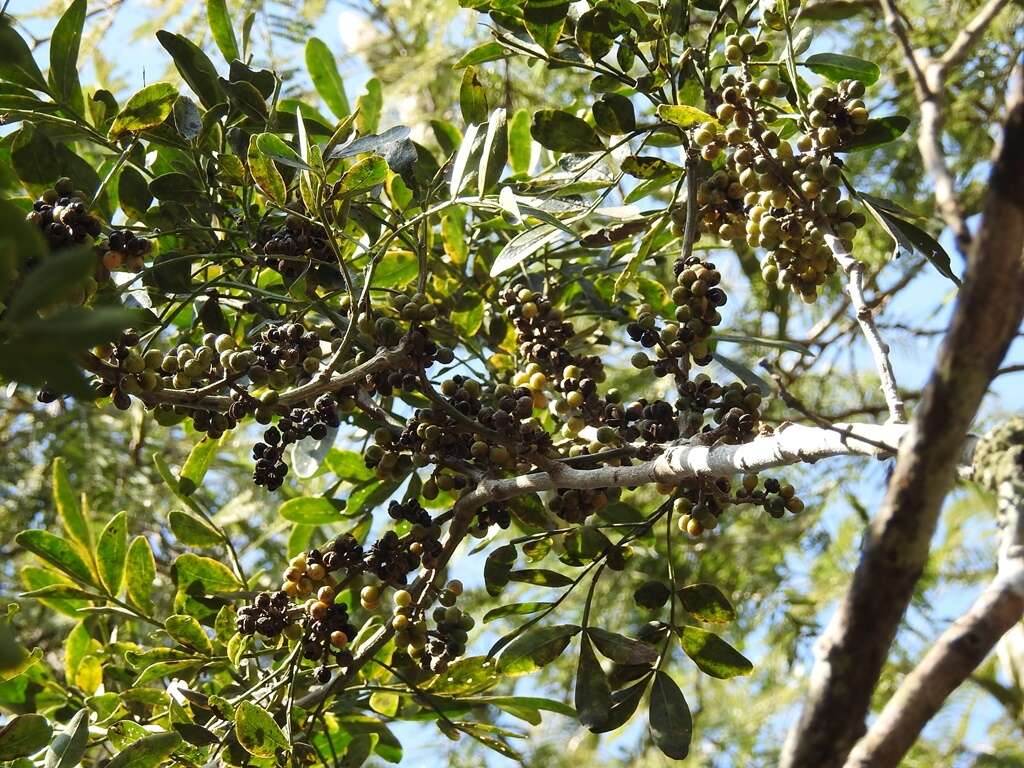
[[852, 651], [970, 34], [879, 349], [791, 444], [957, 653], [929, 79]]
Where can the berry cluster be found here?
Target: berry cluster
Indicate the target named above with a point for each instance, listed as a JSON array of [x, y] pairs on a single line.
[[299, 248], [448, 641], [411, 511], [327, 630], [390, 559], [542, 333], [63, 217], [776, 498], [125, 251], [575, 506], [782, 197], [268, 615], [289, 351], [270, 469]]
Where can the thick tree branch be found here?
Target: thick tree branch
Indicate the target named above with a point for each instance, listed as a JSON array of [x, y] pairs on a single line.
[[957, 653], [790, 444], [852, 651]]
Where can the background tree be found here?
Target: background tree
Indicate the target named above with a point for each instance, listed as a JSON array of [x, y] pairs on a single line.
[[270, 241]]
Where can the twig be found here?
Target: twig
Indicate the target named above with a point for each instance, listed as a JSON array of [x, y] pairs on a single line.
[[879, 349]]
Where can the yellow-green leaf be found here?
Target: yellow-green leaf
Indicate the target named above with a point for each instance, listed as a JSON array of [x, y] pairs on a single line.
[[188, 632], [684, 116], [111, 549], [265, 174], [57, 552], [257, 731], [146, 109], [141, 572], [76, 523]]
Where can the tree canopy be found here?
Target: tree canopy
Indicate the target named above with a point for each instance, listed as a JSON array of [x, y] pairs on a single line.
[[545, 376]]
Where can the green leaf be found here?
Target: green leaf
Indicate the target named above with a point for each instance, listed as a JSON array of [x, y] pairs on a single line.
[[147, 752], [495, 152], [742, 372], [35, 579], [33, 156], [544, 20], [188, 632], [133, 193], [193, 530], [111, 548], [536, 648], [368, 107], [472, 97], [492, 51], [879, 131], [194, 66], [24, 735], [364, 175], [669, 717], [257, 732], [196, 465], [540, 577], [466, 676], [684, 116], [348, 465], [311, 510], [145, 109], [562, 132], [712, 655], [220, 25], [64, 45], [911, 238], [645, 167], [161, 669], [75, 522], [583, 544], [593, 696], [67, 749], [197, 578], [621, 649], [705, 602], [625, 703], [58, 552], [760, 341], [77, 646], [614, 114], [517, 705], [836, 67], [141, 573], [498, 568], [20, 242], [524, 245], [515, 609], [274, 147], [323, 70], [50, 282], [265, 174], [16, 62], [520, 142]]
